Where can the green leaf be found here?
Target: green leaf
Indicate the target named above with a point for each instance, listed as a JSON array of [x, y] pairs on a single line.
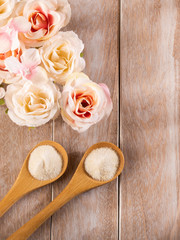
[[6, 111], [81, 54], [2, 102], [29, 128]]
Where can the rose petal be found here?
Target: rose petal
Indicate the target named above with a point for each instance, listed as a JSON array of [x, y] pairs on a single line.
[[109, 101], [36, 35], [6, 9], [38, 76], [8, 77], [2, 93], [20, 24], [15, 41], [5, 42], [106, 90], [65, 9], [13, 65], [31, 58]]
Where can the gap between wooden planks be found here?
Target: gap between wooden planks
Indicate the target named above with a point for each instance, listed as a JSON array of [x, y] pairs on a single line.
[[93, 215]]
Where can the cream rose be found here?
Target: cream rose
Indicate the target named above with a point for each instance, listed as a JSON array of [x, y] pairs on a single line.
[[31, 104], [61, 56], [6, 8], [83, 102], [47, 17], [2, 91]]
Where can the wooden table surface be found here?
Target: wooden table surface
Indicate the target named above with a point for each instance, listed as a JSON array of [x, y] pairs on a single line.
[[134, 47]]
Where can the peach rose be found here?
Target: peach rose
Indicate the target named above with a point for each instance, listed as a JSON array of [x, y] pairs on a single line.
[[6, 8], [47, 17], [61, 56], [11, 46], [83, 102], [32, 104]]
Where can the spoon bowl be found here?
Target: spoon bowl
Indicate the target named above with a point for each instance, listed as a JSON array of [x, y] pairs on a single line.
[[26, 183], [79, 183]]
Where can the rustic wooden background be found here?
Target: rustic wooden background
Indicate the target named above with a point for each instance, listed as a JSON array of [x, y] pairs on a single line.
[[143, 78]]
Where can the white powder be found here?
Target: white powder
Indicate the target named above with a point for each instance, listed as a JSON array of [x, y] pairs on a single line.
[[45, 163], [102, 163]]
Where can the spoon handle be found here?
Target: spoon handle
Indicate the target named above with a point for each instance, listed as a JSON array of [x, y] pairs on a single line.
[[33, 224], [14, 194]]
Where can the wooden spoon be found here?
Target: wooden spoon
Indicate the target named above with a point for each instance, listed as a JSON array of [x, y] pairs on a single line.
[[79, 183], [26, 183]]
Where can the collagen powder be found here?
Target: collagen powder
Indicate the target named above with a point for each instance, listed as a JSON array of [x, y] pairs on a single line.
[[102, 163], [45, 163]]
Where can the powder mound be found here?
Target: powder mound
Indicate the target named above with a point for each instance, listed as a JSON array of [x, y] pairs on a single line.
[[45, 163], [102, 163]]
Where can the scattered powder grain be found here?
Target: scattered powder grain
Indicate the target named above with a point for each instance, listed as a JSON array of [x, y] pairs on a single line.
[[45, 163], [102, 163]]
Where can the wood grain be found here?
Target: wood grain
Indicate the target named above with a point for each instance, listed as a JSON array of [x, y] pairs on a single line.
[[150, 118], [93, 215], [15, 143], [149, 129]]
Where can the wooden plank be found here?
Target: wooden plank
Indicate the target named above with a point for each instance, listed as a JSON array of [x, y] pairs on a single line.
[[15, 143], [93, 215], [150, 119]]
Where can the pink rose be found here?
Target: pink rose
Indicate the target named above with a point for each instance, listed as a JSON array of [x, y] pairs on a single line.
[[83, 102], [47, 17], [10, 46], [27, 66]]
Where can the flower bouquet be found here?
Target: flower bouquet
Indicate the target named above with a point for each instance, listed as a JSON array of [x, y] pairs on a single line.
[[36, 58]]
